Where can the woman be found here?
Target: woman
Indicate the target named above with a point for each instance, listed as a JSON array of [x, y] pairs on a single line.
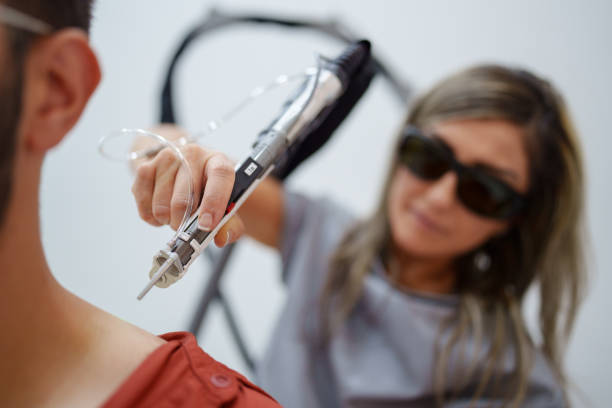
[[420, 303]]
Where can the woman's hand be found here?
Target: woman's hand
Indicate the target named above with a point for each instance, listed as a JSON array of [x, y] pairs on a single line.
[[161, 187]]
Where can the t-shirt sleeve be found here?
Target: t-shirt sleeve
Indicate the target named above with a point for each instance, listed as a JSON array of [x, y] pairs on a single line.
[[297, 211], [311, 229], [179, 374]]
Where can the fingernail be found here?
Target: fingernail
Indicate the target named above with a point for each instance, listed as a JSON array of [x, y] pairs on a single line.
[[228, 239], [205, 222]]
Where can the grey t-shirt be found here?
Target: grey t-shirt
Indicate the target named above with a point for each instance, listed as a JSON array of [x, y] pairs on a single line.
[[383, 356]]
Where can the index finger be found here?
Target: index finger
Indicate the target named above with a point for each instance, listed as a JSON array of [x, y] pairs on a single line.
[[219, 182]]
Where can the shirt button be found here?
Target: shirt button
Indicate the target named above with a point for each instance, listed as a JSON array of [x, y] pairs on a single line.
[[220, 380]]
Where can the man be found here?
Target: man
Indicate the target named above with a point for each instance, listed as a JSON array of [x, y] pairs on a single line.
[[56, 349]]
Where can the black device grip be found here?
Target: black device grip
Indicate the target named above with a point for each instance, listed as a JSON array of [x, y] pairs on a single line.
[[245, 176], [248, 172]]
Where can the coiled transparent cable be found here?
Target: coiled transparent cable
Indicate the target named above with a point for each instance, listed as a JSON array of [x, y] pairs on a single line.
[[124, 146], [281, 80], [134, 145]]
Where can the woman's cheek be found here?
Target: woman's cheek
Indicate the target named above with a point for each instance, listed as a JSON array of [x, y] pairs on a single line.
[[474, 231], [469, 231], [405, 232]]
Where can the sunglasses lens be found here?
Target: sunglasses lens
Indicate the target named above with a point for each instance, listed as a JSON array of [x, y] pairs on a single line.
[[486, 196], [423, 158], [479, 191]]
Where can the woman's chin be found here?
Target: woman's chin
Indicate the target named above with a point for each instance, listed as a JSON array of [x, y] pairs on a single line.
[[419, 245]]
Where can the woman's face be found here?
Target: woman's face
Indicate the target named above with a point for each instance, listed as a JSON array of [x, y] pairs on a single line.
[[426, 217]]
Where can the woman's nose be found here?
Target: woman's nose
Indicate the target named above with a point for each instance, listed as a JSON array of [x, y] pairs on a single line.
[[442, 193]]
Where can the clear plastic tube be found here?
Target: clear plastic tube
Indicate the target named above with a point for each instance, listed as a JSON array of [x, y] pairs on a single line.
[[281, 80], [132, 146]]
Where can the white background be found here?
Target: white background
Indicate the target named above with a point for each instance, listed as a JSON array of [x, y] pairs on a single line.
[[99, 248]]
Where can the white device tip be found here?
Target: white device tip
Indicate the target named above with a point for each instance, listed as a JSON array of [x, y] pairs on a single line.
[[155, 278]]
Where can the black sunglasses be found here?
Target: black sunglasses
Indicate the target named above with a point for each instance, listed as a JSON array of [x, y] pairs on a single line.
[[480, 192]]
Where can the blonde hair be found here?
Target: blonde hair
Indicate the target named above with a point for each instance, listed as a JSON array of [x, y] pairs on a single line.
[[544, 245]]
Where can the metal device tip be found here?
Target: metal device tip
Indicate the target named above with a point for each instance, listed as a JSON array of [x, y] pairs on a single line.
[[146, 289], [155, 278]]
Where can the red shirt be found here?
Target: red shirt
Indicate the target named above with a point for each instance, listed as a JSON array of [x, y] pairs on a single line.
[[180, 374]]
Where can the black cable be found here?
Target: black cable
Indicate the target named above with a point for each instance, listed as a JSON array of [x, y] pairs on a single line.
[[217, 20]]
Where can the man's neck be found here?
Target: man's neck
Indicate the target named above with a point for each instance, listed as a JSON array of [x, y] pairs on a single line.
[[59, 348], [34, 308], [26, 280]]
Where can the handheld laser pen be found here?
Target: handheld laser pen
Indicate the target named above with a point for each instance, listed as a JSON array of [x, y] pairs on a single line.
[[317, 92]]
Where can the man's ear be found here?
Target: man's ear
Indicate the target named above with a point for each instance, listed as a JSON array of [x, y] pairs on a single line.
[[61, 74]]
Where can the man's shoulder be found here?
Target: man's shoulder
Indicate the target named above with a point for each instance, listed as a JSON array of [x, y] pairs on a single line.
[[180, 374]]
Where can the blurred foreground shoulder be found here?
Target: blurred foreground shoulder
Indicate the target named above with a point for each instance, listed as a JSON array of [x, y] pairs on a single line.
[[181, 374]]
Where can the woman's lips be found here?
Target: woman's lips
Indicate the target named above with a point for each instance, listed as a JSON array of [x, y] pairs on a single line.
[[426, 221]]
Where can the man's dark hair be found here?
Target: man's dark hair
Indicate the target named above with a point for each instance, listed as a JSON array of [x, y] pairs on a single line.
[[58, 14]]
